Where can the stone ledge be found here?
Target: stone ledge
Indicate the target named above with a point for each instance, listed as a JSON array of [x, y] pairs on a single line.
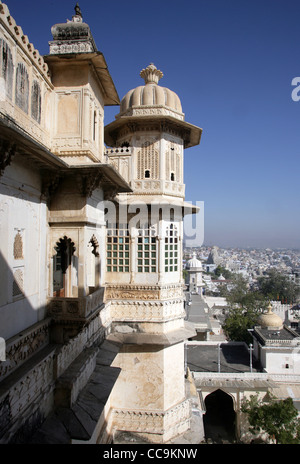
[[73, 380], [164, 339], [81, 422]]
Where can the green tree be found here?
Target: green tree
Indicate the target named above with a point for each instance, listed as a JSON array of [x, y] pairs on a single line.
[[237, 323], [225, 272], [277, 418], [245, 308], [277, 286]]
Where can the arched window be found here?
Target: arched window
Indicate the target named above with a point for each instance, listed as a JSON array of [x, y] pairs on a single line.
[[22, 87], [171, 249], [64, 268], [36, 101]]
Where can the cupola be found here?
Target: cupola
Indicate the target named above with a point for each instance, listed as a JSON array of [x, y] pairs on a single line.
[[151, 94], [270, 320]]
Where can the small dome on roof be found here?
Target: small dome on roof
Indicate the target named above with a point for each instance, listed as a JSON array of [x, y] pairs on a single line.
[[194, 263], [151, 94], [270, 319]]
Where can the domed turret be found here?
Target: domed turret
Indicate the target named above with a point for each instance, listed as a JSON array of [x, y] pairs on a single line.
[[151, 107], [194, 264], [270, 320], [151, 94]]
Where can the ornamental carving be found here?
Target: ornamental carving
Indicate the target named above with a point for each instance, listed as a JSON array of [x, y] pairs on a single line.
[[115, 294], [143, 293], [21, 349], [90, 182], [146, 311], [152, 422]]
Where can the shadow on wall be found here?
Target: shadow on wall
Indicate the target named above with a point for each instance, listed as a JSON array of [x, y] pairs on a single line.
[[34, 359]]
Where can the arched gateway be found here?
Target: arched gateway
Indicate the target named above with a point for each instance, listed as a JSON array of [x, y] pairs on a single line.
[[220, 417]]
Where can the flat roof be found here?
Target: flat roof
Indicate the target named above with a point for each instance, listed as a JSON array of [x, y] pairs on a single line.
[[234, 357], [196, 312]]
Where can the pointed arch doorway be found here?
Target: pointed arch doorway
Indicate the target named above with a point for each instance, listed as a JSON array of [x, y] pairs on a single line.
[[220, 417]]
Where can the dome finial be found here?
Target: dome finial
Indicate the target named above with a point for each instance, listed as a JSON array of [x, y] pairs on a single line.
[[270, 308], [151, 74], [77, 10]]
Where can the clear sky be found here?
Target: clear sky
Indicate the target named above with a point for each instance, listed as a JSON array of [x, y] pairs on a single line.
[[232, 64]]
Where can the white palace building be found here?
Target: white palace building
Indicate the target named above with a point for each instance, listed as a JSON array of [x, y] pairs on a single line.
[[93, 327], [91, 221]]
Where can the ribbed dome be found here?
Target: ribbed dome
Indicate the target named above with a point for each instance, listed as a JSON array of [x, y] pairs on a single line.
[[270, 319], [151, 94], [194, 263]]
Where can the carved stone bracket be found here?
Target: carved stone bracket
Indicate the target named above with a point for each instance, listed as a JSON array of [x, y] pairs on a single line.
[[89, 182], [110, 193], [7, 152], [50, 181]]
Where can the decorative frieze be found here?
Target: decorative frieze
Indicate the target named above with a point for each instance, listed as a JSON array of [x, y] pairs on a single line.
[[132, 293], [136, 292], [151, 111], [162, 425], [15, 399], [146, 312], [61, 47], [20, 348]]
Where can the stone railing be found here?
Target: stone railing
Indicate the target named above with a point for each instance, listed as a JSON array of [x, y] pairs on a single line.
[[120, 151], [76, 308], [22, 41], [21, 347], [34, 387]]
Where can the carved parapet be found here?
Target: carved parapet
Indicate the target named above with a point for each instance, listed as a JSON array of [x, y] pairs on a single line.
[[161, 425], [76, 309], [120, 151], [33, 387], [21, 347], [85, 338], [22, 40]]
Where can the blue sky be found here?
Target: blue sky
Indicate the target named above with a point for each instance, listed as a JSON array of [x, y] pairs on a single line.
[[232, 64]]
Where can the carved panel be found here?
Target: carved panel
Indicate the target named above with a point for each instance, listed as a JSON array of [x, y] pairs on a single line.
[[146, 311], [24, 346], [167, 424], [131, 292]]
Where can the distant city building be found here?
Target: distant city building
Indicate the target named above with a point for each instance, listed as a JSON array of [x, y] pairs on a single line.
[[276, 346], [194, 269]]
